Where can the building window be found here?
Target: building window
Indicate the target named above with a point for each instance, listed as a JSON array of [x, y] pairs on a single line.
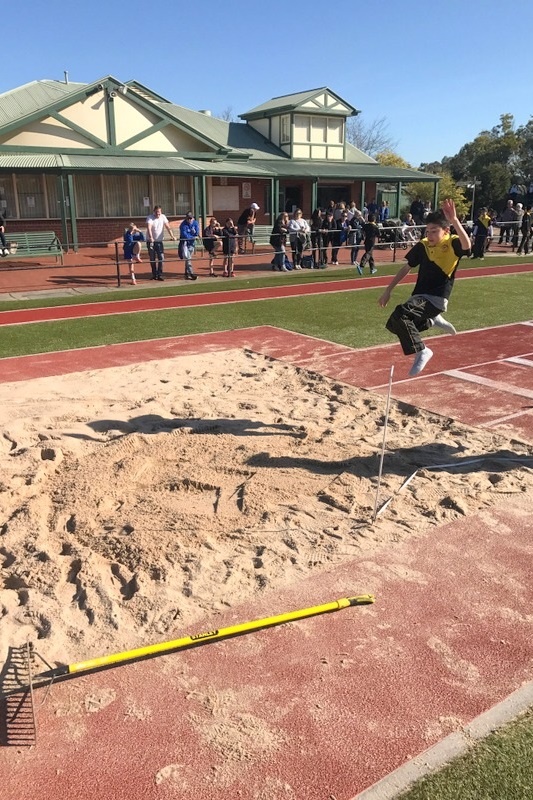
[[8, 205], [139, 190], [182, 192], [163, 193], [318, 130], [116, 201], [302, 128], [88, 193], [52, 196], [335, 131], [30, 191], [285, 129]]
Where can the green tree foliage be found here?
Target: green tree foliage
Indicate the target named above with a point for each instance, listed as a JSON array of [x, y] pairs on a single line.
[[497, 158]]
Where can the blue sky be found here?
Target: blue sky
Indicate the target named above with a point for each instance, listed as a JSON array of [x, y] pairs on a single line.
[[437, 78]]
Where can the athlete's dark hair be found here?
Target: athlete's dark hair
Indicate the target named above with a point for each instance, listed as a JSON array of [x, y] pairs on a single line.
[[437, 218]]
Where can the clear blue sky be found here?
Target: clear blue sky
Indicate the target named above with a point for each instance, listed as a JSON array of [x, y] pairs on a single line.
[[437, 78]]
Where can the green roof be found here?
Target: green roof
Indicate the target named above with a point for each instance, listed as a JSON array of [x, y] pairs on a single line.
[[236, 148], [32, 97], [288, 102], [342, 170]]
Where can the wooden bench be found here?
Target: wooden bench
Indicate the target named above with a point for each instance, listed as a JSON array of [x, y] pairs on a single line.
[[34, 243]]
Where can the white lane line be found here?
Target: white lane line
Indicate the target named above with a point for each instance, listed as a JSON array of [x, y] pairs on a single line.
[[508, 417], [501, 386], [526, 362]]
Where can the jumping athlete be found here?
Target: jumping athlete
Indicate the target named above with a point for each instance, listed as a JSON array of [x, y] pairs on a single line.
[[436, 256]]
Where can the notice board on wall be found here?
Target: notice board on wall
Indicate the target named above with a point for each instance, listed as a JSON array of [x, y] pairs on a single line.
[[225, 198]]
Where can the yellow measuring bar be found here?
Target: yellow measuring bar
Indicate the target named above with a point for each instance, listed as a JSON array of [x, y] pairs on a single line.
[[207, 636]]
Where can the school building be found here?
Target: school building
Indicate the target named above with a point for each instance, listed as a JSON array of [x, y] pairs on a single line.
[[86, 159]]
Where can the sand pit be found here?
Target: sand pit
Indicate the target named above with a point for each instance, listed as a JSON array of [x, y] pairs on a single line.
[[136, 500]]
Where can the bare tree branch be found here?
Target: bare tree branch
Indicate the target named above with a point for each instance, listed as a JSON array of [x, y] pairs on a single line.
[[227, 114], [371, 137]]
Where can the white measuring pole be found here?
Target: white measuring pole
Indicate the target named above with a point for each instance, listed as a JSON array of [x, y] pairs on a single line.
[[383, 444]]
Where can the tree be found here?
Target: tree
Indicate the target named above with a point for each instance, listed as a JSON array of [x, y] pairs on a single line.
[[370, 137], [227, 114], [447, 188], [388, 158]]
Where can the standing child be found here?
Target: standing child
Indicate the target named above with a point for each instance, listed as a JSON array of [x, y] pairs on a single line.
[[132, 248], [370, 235], [355, 237], [212, 241], [480, 233], [230, 235], [437, 257]]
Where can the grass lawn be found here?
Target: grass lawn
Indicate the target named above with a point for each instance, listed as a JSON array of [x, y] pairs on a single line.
[[498, 768], [349, 318]]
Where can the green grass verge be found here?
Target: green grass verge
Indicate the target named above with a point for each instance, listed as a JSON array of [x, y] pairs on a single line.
[[498, 768], [203, 287], [349, 318]]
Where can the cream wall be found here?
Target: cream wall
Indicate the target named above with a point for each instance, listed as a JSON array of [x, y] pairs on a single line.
[[169, 139], [47, 133], [89, 114]]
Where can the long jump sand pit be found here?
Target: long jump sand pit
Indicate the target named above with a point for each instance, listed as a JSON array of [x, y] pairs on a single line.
[[136, 500]]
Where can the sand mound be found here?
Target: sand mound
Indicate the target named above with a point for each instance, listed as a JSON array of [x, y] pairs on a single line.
[[134, 501]]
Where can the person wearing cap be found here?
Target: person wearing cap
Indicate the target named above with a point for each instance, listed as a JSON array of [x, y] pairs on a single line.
[[245, 226], [189, 232], [157, 224]]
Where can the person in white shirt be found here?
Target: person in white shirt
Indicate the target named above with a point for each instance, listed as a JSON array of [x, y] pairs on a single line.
[[299, 237], [157, 224]]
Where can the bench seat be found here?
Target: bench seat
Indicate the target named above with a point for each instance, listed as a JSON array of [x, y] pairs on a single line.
[[32, 244]]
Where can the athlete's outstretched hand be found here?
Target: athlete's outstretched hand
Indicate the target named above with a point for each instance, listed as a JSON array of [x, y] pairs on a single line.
[[448, 209]]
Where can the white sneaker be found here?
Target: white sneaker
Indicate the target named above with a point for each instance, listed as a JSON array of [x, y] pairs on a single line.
[[421, 359], [443, 324]]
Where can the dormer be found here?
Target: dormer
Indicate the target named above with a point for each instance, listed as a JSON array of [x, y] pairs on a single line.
[[306, 125]]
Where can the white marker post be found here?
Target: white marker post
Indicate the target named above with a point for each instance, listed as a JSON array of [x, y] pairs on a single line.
[[383, 445]]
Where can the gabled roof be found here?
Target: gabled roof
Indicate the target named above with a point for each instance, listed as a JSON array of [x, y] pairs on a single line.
[[291, 102], [33, 97]]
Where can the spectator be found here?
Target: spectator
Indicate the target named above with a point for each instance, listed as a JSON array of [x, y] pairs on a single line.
[[328, 235], [371, 235], [132, 248], [480, 233], [340, 208], [299, 231], [157, 224], [372, 207], [212, 241], [317, 238], [5, 249], [355, 237], [278, 240], [245, 226], [353, 211], [508, 218], [340, 236], [408, 228], [417, 210], [525, 229], [230, 237], [189, 231], [517, 225], [384, 211]]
